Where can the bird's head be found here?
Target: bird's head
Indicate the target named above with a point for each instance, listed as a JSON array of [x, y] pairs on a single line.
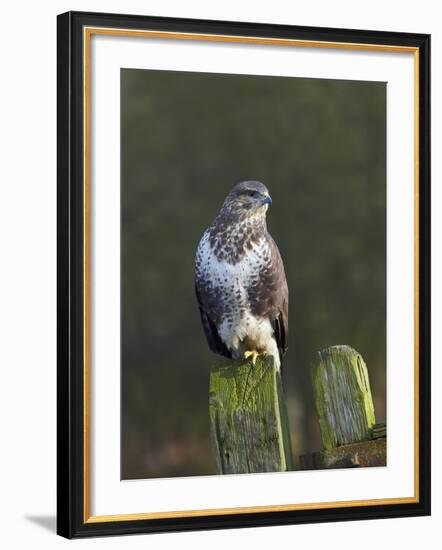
[[249, 198]]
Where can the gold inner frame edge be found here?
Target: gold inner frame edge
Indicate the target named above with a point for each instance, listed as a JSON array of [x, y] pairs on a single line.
[[87, 33]]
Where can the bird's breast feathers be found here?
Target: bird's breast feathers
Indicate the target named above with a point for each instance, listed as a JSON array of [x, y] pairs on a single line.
[[227, 290]]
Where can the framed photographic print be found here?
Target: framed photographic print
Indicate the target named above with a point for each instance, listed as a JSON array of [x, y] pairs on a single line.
[[243, 274]]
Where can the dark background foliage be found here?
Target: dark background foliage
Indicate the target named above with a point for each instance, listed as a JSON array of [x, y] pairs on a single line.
[[187, 138]]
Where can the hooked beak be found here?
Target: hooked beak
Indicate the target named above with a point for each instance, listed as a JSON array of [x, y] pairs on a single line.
[[267, 200]]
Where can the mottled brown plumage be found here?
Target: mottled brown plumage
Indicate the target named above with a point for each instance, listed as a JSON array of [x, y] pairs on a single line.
[[240, 280]]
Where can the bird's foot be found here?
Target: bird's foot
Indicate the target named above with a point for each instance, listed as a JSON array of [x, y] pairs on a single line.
[[253, 355]]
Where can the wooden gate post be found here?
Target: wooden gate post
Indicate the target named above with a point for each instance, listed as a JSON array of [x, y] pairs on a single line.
[[248, 417], [345, 412], [343, 396]]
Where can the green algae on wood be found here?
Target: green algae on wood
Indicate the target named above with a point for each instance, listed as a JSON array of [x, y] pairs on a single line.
[[248, 418], [343, 397]]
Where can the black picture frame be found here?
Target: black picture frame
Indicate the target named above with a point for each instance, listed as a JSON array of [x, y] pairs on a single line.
[[71, 502]]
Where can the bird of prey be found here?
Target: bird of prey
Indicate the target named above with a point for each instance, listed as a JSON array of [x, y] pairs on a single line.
[[240, 280]]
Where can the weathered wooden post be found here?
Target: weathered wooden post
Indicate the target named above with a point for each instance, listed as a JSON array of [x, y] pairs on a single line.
[[345, 411], [248, 418]]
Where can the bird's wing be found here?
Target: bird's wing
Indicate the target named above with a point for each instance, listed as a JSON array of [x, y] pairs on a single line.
[[280, 300], [280, 327], [210, 330], [270, 299]]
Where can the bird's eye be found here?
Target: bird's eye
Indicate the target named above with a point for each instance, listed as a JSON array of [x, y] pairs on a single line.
[[252, 193]]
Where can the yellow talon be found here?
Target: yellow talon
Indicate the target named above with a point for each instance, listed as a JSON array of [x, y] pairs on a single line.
[[253, 355]]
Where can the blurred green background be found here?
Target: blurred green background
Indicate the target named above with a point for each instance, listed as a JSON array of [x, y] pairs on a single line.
[[187, 138]]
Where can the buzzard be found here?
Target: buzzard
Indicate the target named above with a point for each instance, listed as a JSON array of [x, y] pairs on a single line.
[[240, 280]]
